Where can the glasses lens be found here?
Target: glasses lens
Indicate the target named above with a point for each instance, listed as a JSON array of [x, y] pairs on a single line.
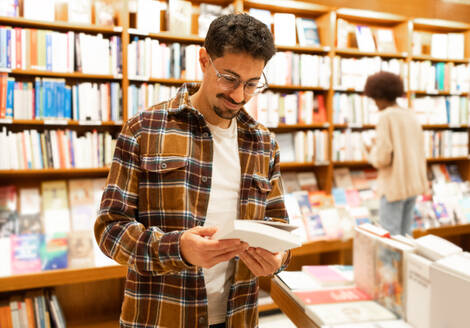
[[228, 82]]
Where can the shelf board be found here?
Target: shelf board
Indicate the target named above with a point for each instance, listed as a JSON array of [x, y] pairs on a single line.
[[59, 122], [171, 81], [267, 307], [322, 246], [74, 75], [60, 277], [295, 87], [106, 322], [169, 36], [296, 165], [358, 53], [304, 49], [352, 163], [289, 6], [445, 60], [441, 24], [102, 171], [283, 126], [369, 16], [443, 126], [60, 26], [447, 231], [438, 93], [447, 159], [354, 126]]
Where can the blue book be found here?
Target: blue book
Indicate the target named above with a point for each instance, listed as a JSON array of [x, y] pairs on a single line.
[[49, 51], [54, 252], [48, 98], [10, 97], [339, 195], [72, 150], [3, 47], [67, 102], [8, 43], [37, 97]]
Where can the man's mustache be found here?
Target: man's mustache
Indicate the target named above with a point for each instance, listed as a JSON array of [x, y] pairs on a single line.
[[221, 95]]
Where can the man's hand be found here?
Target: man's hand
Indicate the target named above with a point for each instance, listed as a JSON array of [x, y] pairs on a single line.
[[198, 250], [262, 262]]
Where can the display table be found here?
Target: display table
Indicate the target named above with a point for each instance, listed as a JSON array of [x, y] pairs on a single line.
[[289, 306]]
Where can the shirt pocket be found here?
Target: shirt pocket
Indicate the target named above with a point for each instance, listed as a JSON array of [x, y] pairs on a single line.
[[162, 191], [258, 194]]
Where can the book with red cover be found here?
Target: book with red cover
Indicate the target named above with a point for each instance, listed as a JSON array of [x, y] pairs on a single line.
[[335, 295]]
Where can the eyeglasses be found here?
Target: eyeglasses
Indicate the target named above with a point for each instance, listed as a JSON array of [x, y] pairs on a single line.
[[230, 82]]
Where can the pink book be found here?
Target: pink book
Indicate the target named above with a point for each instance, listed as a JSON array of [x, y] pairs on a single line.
[[326, 276], [336, 295]]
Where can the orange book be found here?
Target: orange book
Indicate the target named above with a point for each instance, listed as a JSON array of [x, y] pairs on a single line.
[[5, 314], [29, 301], [61, 146], [18, 45], [34, 49], [319, 111]]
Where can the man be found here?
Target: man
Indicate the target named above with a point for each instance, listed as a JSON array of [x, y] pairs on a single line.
[[181, 169], [398, 154]]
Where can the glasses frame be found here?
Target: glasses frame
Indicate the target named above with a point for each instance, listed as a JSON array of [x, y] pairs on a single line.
[[240, 81]]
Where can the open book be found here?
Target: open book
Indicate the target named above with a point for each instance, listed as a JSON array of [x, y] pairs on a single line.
[[270, 235]]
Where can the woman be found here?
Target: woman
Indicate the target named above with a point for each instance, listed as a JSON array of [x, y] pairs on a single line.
[[397, 153]]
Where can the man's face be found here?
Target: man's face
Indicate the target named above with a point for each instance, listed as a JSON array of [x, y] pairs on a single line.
[[225, 102]]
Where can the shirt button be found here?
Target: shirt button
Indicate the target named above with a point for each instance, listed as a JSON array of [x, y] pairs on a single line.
[[163, 165], [205, 134], [204, 179], [202, 320]]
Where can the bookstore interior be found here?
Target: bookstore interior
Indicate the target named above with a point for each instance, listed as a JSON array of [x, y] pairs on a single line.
[[73, 71]]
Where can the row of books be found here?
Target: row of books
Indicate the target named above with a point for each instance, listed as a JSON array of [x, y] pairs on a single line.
[[23, 48], [352, 73], [33, 308], [303, 146], [50, 227], [445, 143], [303, 107], [354, 109], [287, 27], [434, 77], [148, 58], [51, 98], [364, 38], [438, 45], [452, 110], [55, 149], [348, 145], [141, 97], [73, 12], [288, 68]]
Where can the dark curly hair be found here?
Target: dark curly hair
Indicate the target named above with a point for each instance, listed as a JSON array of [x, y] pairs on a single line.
[[238, 33], [384, 85]]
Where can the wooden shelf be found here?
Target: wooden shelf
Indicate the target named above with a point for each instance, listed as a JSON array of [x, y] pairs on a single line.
[[60, 26], [290, 6], [447, 231], [439, 24], [438, 93], [171, 81], [74, 75], [446, 159], [60, 277], [168, 36], [358, 53], [99, 172], [354, 126], [445, 60], [304, 49], [267, 307], [59, 122], [283, 126], [352, 163], [106, 322], [322, 246], [295, 165], [296, 88], [369, 16], [443, 126]]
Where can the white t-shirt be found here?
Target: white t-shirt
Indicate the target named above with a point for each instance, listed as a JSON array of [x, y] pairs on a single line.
[[223, 208]]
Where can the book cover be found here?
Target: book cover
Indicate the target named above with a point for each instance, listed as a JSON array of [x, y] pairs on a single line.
[[179, 15], [264, 234], [297, 280], [80, 249], [307, 32], [284, 29], [434, 247], [348, 312], [56, 216], [313, 226], [327, 296], [418, 296], [25, 253], [82, 204], [342, 178], [385, 40], [326, 276], [54, 252]]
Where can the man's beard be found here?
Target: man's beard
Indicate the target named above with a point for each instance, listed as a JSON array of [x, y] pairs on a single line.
[[227, 114]]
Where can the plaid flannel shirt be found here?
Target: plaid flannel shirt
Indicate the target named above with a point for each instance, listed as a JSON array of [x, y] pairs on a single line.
[[158, 186]]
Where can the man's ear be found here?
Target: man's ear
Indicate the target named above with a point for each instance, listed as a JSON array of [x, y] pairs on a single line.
[[204, 59]]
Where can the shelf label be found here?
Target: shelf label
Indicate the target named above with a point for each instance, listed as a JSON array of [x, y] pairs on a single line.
[[118, 122], [89, 122], [326, 125], [55, 122], [6, 121], [455, 126], [355, 125], [117, 29], [321, 163], [137, 32], [5, 70], [139, 78], [326, 48]]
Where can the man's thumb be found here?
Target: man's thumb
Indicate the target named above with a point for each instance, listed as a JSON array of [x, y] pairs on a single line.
[[206, 231]]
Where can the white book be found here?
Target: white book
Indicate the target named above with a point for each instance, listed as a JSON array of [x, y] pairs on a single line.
[[439, 45], [297, 280], [348, 312], [418, 292], [270, 235], [435, 248], [43, 10], [376, 324], [284, 29]]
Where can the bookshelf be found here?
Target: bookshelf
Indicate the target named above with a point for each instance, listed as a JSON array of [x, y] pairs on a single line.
[[81, 290]]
